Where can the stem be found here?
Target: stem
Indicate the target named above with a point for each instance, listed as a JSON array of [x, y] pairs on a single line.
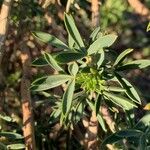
[[28, 123], [4, 21]]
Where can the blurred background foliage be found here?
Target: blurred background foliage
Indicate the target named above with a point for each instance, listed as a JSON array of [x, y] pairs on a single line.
[[116, 16]]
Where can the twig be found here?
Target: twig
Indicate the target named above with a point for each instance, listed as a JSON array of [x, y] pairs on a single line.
[[140, 8], [28, 124]]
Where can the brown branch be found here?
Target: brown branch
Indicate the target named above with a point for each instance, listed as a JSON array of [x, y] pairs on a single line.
[[95, 13], [28, 123], [4, 15], [140, 8]]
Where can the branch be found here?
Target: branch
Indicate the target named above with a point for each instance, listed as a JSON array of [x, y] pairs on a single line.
[[4, 15], [28, 123], [95, 13], [140, 8]]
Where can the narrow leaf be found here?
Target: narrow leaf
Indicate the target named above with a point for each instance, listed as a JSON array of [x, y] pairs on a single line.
[[2, 146], [47, 38], [16, 146], [143, 122], [101, 59], [148, 27], [101, 42], [11, 135], [94, 34], [66, 57], [97, 103], [6, 118], [52, 62], [122, 56], [67, 97], [70, 41], [101, 122], [39, 62], [120, 100], [49, 82], [73, 68], [130, 90], [99, 117], [136, 64], [142, 143], [73, 31], [79, 111], [129, 133], [115, 89], [111, 139]]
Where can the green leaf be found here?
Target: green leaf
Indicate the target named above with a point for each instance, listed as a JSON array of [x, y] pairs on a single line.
[[122, 56], [148, 27], [39, 62], [142, 143], [91, 104], [99, 117], [6, 118], [111, 139], [130, 90], [101, 59], [11, 135], [49, 82], [94, 34], [16, 146], [101, 42], [129, 133], [73, 68], [136, 64], [79, 111], [70, 41], [67, 97], [73, 31], [120, 135], [114, 89], [97, 103], [47, 38], [101, 122], [143, 122], [52, 62], [2, 146], [120, 100], [66, 57]]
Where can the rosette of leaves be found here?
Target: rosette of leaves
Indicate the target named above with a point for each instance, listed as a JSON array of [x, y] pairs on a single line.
[[91, 71]]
